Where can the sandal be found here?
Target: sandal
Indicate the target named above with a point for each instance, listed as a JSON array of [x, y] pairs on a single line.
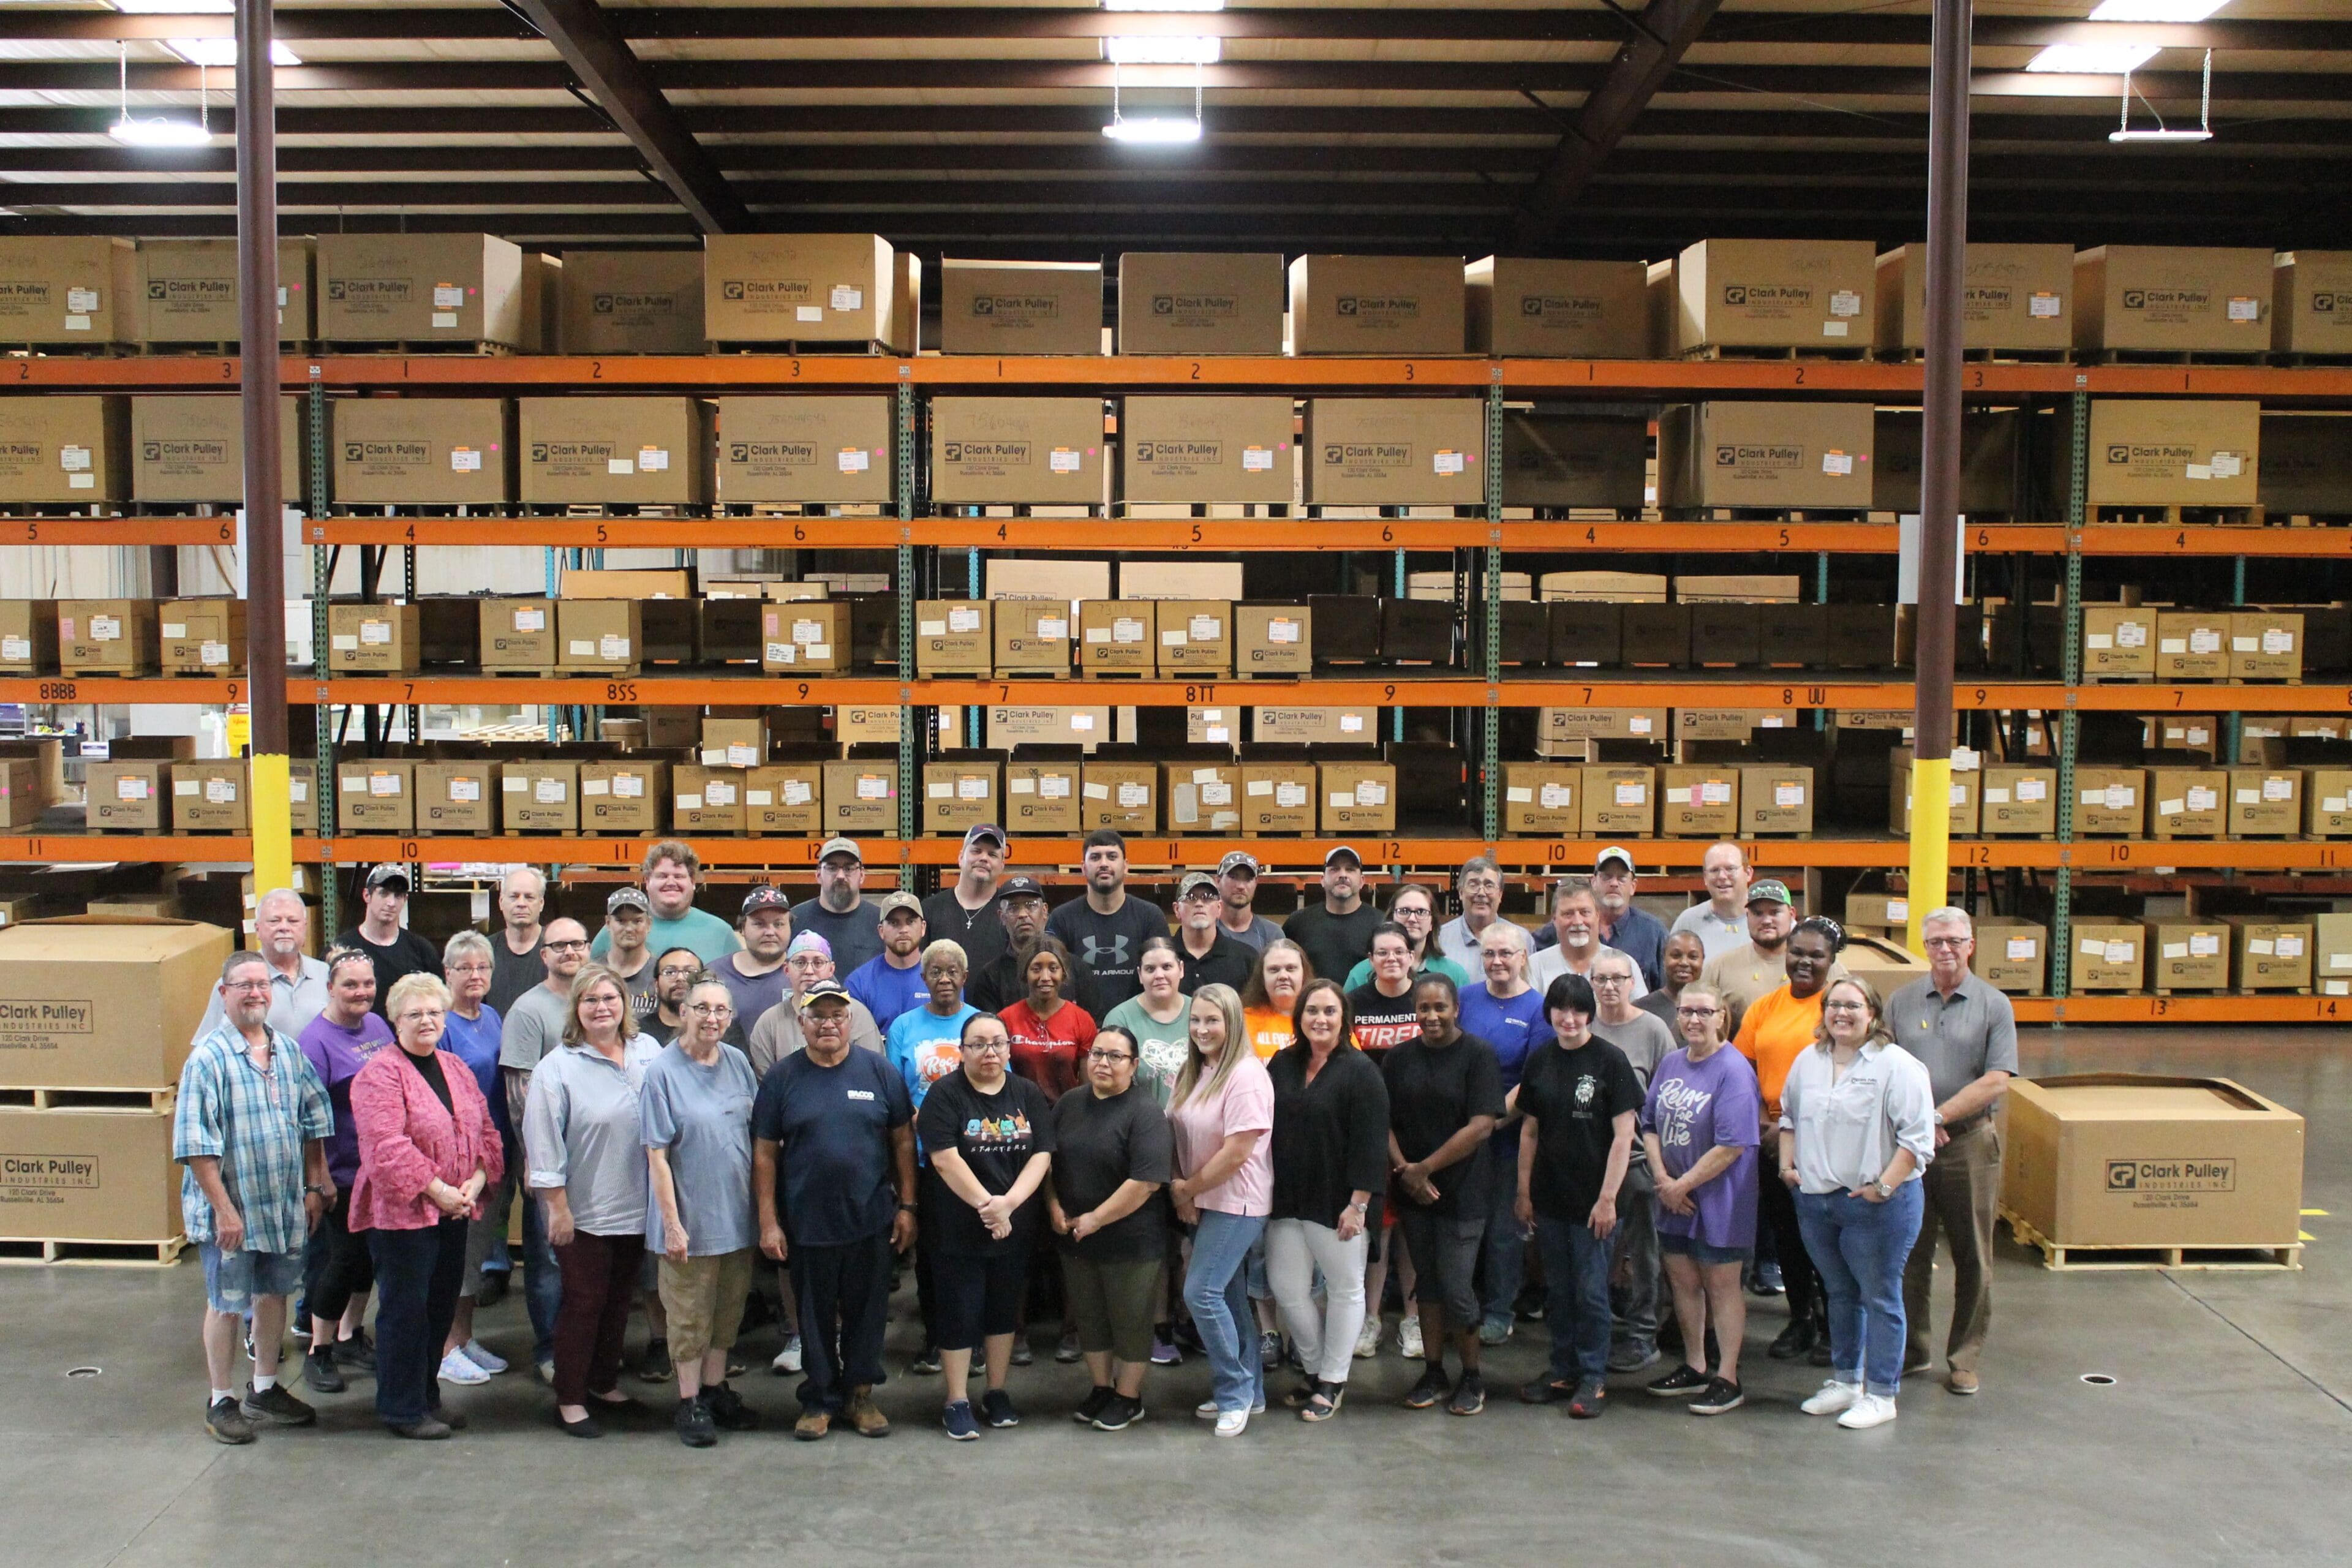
[[1299, 1397], [1326, 1402]]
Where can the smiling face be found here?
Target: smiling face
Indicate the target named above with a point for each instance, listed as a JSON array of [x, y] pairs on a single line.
[[1392, 959], [1698, 1018], [1847, 1013], [669, 887], [675, 974], [1207, 1033], [1482, 894], [246, 994], [1046, 978], [600, 1008], [280, 924], [1725, 872], [1503, 957], [983, 862], [1434, 1007], [1684, 956], [1769, 922], [1808, 963], [563, 949], [351, 990], [1319, 1017], [708, 1011]]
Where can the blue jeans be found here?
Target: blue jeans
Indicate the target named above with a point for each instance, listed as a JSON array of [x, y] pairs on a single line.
[[1504, 1266], [1576, 1297], [1860, 1248], [1216, 1292], [542, 1281]]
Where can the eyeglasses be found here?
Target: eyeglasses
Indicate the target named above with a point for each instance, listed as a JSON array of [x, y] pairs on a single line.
[[678, 971], [1846, 1007], [246, 985], [1697, 1012], [1948, 943], [1610, 979], [988, 1048], [475, 967], [565, 946], [1112, 1057], [709, 1009], [421, 1015]]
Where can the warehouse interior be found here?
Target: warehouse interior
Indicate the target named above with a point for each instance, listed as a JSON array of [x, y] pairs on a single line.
[[1444, 427]]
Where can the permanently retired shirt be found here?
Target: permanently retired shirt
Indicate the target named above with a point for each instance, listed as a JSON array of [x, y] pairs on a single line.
[[256, 1123]]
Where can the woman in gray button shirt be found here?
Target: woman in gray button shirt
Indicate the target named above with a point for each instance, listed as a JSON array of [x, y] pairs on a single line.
[[587, 1164]]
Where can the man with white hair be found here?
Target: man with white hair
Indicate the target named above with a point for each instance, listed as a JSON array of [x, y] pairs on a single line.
[[1480, 887], [298, 983], [1966, 1032], [1576, 938], [1720, 923], [515, 965]]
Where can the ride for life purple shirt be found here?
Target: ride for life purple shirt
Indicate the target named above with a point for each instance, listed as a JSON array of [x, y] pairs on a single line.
[[1693, 1107], [338, 1054]]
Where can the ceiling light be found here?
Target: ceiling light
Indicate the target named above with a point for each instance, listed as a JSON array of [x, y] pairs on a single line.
[[223, 51], [2093, 59], [176, 7], [1129, 51], [1183, 5], [2154, 10], [159, 133], [1162, 132]]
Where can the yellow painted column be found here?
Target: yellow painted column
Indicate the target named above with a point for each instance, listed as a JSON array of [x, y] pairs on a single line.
[[273, 825], [1931, 841]]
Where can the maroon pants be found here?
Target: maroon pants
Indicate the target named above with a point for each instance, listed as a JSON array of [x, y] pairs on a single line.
[[600, 1280]]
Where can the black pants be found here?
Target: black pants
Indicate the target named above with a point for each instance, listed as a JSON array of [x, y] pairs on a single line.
[[336, 1264], [934, 1198], [417, 1274], [980, 1294], [844, 1294], [1777, 1206]]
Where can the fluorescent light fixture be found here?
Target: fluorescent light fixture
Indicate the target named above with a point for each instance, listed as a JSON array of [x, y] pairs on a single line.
[[2154, 10], [2160, 136], [1160, 131], [1156, 50], [2093, 59], [1173, 5], [159, 133], [175, 7], [223, 51]]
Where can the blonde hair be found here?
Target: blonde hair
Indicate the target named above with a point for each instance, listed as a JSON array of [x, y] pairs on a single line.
[[1223, 1001], [416, 983], [590, 976], [1878, 1031], [941, 950]]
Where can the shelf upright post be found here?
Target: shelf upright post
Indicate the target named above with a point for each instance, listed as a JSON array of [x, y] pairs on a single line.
[[2062, 912], [2233, 723], [913, 720], [323, 717], [1490, 772], [1396, 715], [973, 714]]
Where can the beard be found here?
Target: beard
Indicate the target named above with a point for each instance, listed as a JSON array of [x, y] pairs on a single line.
[[838, 897]]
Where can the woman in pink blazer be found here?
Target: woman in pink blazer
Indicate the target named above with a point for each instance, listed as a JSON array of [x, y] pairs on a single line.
[[426, 1151]]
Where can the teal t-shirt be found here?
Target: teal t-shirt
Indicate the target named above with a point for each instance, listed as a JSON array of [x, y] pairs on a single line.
[[1362, 976], [700, 929]]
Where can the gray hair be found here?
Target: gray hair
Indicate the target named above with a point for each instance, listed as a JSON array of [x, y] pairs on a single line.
[[1614, 955], [274, 894], [943, 950], [1949, 916], [1566, 886], [238, 961], [1476, 863], [532, 871], [467, 945]]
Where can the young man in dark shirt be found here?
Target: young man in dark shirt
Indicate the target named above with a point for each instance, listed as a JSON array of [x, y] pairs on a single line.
[[391, 947], [1104, 929], [1336, 934]]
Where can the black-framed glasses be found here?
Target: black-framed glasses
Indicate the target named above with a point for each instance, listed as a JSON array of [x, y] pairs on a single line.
[[1112, 1057], [1697, 1012], [565, 946]]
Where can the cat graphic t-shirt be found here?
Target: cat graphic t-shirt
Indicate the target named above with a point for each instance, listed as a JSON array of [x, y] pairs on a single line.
[[996, 1135], [1693, 1107]]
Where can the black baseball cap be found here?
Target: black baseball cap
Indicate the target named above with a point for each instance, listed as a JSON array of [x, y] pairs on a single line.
[[987, 831], [385, 874], [764, 896], [1022, 888]]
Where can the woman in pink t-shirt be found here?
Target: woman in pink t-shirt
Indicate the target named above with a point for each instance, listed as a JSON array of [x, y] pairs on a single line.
[[1221, 1110]]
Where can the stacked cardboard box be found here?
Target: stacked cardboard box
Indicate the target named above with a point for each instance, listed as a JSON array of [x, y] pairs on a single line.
[[393, 288], [810, 288]]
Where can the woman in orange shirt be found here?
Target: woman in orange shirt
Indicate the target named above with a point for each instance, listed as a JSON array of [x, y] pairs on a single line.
[[1272, 996], [1777, 1028]]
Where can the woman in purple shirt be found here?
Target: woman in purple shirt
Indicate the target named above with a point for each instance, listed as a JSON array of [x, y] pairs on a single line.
[[336, 1271], [1699, 1135]]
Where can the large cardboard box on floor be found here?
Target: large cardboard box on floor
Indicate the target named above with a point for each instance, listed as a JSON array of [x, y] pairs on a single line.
[[392, 287], [188, 292], [1206, 450], [1016, 451], [2311, 302], [807, 288], [2013, 956], [604, 451], [2187, 955], [1522, 307], [67, 289], [191, 449], [69, 450], [2162, 451], [1394, 451], [2108, 956], [806, 450], [424, 451], [91, 1002], [2331, 954], [1200, 302], [1554, 458], [1775, 293], [1021, 306], [2131, 1160], [2173, 298], [631, 302], [88, 1175], [1394, 305], [2013, 299], [1775, 455]]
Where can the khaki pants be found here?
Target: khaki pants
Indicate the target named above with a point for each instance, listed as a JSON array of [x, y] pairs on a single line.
[[1963, 1194], [703, 1298]]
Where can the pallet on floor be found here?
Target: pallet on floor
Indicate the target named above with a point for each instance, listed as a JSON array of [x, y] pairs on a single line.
[[2077, 1256], [104, 1254], [156, 1100]]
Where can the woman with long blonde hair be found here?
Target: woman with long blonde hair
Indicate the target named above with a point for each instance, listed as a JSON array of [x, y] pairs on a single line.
[[1221, 1110]]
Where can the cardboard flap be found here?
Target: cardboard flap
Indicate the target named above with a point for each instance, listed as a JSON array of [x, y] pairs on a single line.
[[2232, 1095]]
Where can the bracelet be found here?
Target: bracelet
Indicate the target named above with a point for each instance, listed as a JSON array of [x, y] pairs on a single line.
[[1359, 1208], [324, 1190], [906, 1208]]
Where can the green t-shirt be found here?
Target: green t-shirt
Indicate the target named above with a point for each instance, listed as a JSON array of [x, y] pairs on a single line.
[[1362, 976], [1160, 1047], [700, 929]]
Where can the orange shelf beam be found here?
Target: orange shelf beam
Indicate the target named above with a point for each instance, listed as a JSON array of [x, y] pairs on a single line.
[[122, 531], [2101, 1008], [119, 689], [76, 848]]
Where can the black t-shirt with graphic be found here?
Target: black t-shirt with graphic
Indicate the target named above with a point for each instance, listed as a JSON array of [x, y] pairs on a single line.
[[996, 1134], [1575, 1096]]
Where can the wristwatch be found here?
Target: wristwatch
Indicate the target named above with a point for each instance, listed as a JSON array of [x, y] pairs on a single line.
[[324, 1192], [1882, 1189]]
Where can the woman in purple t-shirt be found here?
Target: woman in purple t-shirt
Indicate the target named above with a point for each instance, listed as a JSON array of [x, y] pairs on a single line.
[[1699, 1136], [337, 1272]]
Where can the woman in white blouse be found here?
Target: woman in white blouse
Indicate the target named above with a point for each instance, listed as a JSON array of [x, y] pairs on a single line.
[[1862, 1120]]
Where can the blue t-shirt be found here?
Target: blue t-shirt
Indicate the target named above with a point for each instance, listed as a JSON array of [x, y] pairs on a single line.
[[925, 1048], [1514, 1027], [702, 1117], [888, 992], [475, 1042], [832, 1128]]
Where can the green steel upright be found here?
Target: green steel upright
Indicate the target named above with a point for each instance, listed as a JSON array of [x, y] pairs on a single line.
[[2061, 914]]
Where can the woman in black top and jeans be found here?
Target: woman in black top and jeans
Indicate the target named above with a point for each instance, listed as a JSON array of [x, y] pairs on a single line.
[[1330, 1164]]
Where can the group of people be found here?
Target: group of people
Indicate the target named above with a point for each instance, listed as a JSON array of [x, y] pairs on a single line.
[[1214, 1132]]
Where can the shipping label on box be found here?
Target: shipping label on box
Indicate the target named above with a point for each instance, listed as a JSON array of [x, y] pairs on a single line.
[[2192, 644]]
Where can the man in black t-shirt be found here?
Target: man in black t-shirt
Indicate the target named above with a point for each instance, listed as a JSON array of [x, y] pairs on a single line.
[[391, 947], [1579, 1097], [1021, 913], [1336, 934], [1104, 929], [966, 914], [1211, 956]]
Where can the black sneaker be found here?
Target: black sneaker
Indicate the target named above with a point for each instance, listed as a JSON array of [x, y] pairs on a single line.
[[1721, 1396], [226, 1423], [356, 1353], [432, 1429], [654, 1366], [1546, 1391], [695, 1427], [1684, 1379], [1092, 1404], [492, 1289], [1469, 1395], [1820, 1355], [276, 1408], [1795, 1340], [729, 1411], [1432, 1389], [1591, 1401], [1120, 1413], [319, 1370], [996, 1409]]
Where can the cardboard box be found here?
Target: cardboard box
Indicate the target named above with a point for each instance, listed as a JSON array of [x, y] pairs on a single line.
[[2122, 1159], [1618, 801], [862, 797], [1021, 306], [2189, 955], [1029, 634], [1769, 455], [2019, 799], [1700, 802], [2118, 639], [28, 637], [1775, 293], [2173, 298], [807, 451], [1274, 639], [952, 638], [1318, 726], [2306, 466], [519, 634], [2327, 802], [1553, 458], [2110, 801], [1394, 451], [1729, 723], [1990, 443], [1120, 794], [2108, 956], [1116, 633], [377, 639], [1041, 797], [1394, 305], [1878, 911], [631, 302], [391, 288], [1202, 797], [1069, 581], [1776, 797], [1009, 727], [1179, 580], [107, 637], [2331, 954], [1279, 797], [2013, 956], [59, 450], [2167, 733], [201, 636], [2270, 955], [1194, 636], [615, 451], [188, 292], [1358, 797], [1206, 451], [23, 796], [1200, 302], [782, 797], [2265, 802], [805, 636], [1017, 451], [2013, 299], [1587, 635], [630, 796], [641, 583], [88, 1175], [2164, 452], [1966, 802], [806, 287], [2192, 644], [711, 800], [2311, 302], [2265, 644], [2187, 803], [1524, 308], [68, 288], [127, 796], [455, 797], [191, 450], [1541, 799], [209, 798], [1604, 588], [1887, 965], [539, 796], [423, 451], [1602, 723], [378, 795], [600, 633], [962, 792]]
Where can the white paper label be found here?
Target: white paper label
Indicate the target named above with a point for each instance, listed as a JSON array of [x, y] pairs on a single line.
[[2202, 799], [1174, 639], [853, 459], [2170, 807], [2276, 788], [1370, 792], [1351, 723], [1256, 460], [2199, 470], [1134, 796], [943, 790], [612, 645], [1447, 462], [1959, 795], [798, 792], [2204, 944], [547, 792], [846, 297], [1054, 786], [2131, 634], [1837, 463], [1205, 628], [2227, 465], [1219, 732], [383, 784], [1555, 796], [2020, 948], [15, 648], [2041, 307], [2120, 797], [1278, 630], [1341, 800], [782, 653], [448, 297], [1712, 792], [1216, 794], [581, 647], [2032, 791], [720, 792], [465, 460], [73, 459], [533, 619], [620, 465], [1127, 628], [1898, 912], [808, 313], [375, 634], [1062, 461], [105, 628], [629, 786], [512, 783], [1081, 721], [972, 789], [2290, 945], [1287, 795], [465, 790], [1054, 627], [2204, 639], [445, 318], [690, 802], [1836, 329], [2097, 642], [959, 619], [2245, 308], [931, 628], [1631, 794], [2175, 949], [2250, 797], [1788, 796], [1846, 302], [297, 789], [653, 460], [1639, 724], [77, 323], [1517, 795], [2275, 640], [184, 787], [2121, 951], [873, 787], [2333, 802], [808, 633], [127, 788], [2259, 944], [82, 301]]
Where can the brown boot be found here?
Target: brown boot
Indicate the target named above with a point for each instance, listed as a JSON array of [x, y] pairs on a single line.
[[811, 1426], [862, 1415]]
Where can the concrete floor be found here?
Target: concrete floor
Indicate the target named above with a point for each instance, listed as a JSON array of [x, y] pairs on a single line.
[[2224, 1438]]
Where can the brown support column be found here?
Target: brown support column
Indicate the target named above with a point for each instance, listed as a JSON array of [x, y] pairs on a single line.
[[264, 531]]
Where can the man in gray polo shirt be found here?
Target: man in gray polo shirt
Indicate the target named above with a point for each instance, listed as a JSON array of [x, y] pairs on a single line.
[[1966, 1033]]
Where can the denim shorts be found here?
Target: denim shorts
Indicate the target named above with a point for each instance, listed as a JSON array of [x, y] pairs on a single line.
[[233, 1279], [1705, 1252]]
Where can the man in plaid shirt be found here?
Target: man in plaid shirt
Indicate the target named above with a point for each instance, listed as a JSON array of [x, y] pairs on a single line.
[[250, 1130]]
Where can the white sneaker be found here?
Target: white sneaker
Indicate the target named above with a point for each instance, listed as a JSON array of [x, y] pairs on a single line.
[[1368, 1344], [1833, 1397], [481, 1355], [1409, 1338], [455, 1368], [1232, 1423], [1207, 1410], [788, 1359], [1870, 1410]]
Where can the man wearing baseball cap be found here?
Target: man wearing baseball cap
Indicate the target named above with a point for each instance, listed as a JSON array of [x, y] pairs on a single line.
[[1210, 955], [891, 982], [1336, 934], [628, 917], [755, 976], [390, 945], [1761, 962], [965, 914], [1020, 916], [1625, 925], [1237, 888], [839, 912]]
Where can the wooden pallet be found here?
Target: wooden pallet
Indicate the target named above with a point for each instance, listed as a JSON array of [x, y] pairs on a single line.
[[2312, 360], [651, 511], [798, 348], [2080, 1258], [49, 511], [2172, 356], [1787, 352], [1762, 514], [154, 1099], [1252, 511], [2179, 516], [478, 347], [93, 350], [390, 511], [114, 1254], [228, 348], [1983, 356], [790, 510]]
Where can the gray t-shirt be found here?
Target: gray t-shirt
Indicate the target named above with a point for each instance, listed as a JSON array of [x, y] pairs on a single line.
[[1552, 962], [702, 1116], [1455, 941], [1261, 931], [1645, 1041], [777, 1035], [855, 936], [512, 973], [534, 1026], [1716, 934], [645, 996]]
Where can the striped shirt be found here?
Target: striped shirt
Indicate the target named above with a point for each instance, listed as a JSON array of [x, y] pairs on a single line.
[[256, 1123]]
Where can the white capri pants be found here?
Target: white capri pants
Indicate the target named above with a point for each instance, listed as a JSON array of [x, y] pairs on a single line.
[[1297, 1251]]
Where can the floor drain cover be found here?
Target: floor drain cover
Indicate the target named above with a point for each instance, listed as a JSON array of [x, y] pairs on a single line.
[[84, 1371], [2098, 1380]]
